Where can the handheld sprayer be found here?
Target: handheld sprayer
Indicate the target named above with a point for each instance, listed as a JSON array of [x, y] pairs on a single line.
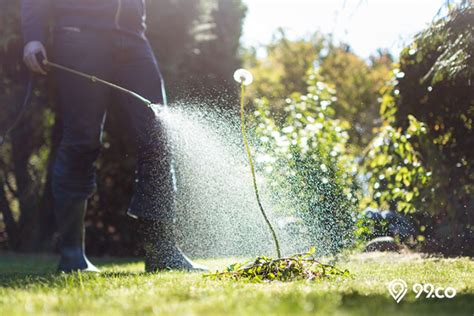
[[92, 78]]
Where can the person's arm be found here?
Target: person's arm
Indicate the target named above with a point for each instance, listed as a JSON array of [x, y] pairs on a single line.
[[34, 23]]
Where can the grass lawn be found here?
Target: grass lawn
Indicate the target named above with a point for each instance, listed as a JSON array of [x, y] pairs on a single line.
[[28, 284]]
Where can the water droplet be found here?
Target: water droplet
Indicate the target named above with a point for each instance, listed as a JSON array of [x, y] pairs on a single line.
[[400, 74]]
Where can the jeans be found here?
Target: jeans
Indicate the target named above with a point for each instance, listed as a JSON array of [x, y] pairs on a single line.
[[128, 61]]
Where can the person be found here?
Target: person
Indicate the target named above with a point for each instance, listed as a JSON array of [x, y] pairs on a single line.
[[107, 39]]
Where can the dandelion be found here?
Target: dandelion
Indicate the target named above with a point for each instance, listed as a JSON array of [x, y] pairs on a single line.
[[243, 76]]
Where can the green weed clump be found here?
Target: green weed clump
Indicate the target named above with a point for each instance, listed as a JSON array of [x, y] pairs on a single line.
[[297, 267]]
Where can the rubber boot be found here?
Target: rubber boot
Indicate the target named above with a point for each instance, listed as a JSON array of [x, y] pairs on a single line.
[[70, 218], [161, 250]]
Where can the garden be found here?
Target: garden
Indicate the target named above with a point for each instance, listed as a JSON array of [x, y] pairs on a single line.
[[309, 181]]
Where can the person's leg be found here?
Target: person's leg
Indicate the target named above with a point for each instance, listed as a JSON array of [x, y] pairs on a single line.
[[83, 107], [137, 70], [153, 202]]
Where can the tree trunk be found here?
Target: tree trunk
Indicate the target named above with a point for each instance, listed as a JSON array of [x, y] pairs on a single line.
[[27, 187], [10, 224]]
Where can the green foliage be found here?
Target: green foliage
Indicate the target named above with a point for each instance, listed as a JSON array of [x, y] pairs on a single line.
[[421, 160], [8, 25], [283, 70], [24, 158], [368, 228], [357, 84], [440, 59], [307, 158], [297, 267], [447, 46], [396, 176]]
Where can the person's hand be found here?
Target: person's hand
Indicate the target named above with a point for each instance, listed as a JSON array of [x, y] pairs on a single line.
[[29, 56]]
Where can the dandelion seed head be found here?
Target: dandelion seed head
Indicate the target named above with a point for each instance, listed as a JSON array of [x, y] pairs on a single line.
[[243, 76]]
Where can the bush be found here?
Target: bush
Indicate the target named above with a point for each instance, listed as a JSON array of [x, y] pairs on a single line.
[[421, 161], [307, 164]]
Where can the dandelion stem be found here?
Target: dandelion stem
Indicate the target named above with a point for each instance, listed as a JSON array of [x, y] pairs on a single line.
[[252, 168]]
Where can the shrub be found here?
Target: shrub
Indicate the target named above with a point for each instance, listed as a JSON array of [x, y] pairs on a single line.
[[421, 161], [307, 164]]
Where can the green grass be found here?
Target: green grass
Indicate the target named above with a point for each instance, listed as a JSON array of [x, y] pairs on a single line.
[[28, 284]]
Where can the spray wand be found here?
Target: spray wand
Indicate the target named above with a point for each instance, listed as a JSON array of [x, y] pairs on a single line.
[[245, 78], [92, 78], [96, 79]]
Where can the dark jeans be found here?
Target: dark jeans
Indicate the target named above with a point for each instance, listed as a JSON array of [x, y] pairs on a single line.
[[128, 61]]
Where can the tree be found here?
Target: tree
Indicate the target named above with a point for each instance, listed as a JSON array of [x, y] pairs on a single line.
[[432, 93], [358, 84], [25, 158], [284, 69], [216, 54], [286, 65], [170, 25]]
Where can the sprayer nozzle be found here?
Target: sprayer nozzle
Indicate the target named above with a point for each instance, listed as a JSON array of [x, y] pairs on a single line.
[[158, 109]]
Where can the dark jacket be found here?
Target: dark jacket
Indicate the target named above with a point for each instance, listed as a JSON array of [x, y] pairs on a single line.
[[123, 15]]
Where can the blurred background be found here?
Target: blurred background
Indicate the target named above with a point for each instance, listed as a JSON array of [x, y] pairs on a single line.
[[363, 111]]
